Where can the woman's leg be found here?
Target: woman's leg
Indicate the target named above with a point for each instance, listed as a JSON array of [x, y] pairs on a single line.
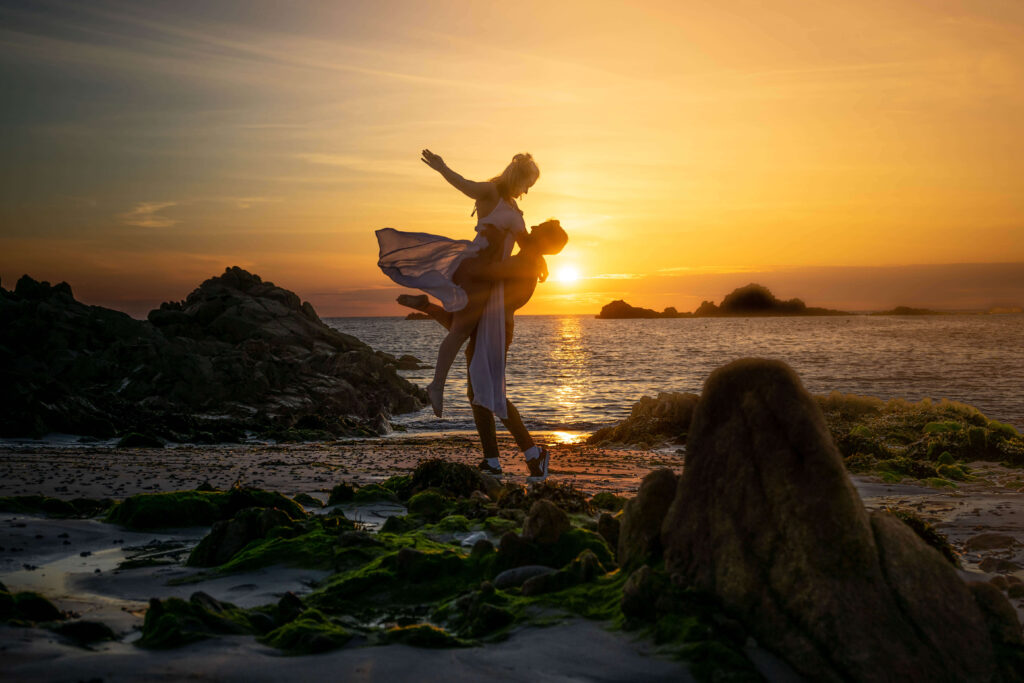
[[425, 305], [462, 325]]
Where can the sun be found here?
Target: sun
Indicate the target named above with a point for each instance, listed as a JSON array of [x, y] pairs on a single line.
[[567, 273]]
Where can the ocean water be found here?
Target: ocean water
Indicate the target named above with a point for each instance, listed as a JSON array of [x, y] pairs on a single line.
[[577, 373]]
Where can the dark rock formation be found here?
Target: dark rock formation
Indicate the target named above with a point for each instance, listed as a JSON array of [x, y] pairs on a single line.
[[652, 420], [545, 523], [750, 300], [620, 309], [907, 310], [640, 524], [228, 537], [238, 354], [765, 519]]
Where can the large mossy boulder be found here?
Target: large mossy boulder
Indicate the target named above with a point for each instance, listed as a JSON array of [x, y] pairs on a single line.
[[766, 519], [195, 508], [237, 347]]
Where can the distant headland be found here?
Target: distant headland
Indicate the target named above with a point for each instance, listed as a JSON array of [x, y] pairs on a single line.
[[753, 299]]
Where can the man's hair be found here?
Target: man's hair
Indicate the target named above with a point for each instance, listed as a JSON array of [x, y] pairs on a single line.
[[552, 233]]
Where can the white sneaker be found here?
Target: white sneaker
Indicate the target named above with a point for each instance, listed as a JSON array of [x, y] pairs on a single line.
[[539, 466]]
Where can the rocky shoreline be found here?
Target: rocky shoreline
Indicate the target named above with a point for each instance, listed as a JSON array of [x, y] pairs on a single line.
[[731, 568], [237, 356]]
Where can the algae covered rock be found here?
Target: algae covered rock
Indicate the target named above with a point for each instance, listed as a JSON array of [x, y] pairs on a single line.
[[639, 537], [228, 537], [429, 504], [453, 478], [175, 622], [545, 523], [766, 520], [27, 607], [310, 632], [195, 508], [651, 420], [564, 495], [342, 493]]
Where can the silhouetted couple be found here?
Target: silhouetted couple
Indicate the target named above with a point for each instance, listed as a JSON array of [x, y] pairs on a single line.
[[480, 285]]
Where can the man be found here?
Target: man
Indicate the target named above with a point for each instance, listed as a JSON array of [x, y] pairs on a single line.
[[520, 274]]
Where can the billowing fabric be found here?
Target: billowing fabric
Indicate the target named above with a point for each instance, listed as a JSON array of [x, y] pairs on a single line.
[[428, 262]]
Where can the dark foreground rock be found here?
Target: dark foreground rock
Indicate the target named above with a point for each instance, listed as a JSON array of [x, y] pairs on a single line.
[[766, 520], [237, 354]]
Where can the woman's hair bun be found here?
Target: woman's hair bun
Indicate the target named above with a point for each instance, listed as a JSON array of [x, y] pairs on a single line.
[[520, 158]]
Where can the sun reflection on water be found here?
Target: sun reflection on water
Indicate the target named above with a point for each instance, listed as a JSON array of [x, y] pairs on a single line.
[[567, 438], [569, 360]]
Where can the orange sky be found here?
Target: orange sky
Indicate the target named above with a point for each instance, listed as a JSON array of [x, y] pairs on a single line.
[[687, 148]]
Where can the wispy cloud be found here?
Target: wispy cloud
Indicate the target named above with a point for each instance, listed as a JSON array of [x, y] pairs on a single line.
[[146, 215], [616, 276]]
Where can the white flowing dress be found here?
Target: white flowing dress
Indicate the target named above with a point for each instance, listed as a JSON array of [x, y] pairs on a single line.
[[428, 262]]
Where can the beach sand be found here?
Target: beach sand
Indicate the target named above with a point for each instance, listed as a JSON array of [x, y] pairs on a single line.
[[74, 562]]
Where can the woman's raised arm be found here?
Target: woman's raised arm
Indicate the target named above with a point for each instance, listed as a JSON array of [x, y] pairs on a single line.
[[470, 188]]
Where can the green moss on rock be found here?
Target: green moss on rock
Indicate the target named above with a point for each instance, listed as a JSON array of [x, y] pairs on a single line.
[[309, 633], [195, 508], [27, 607], [175, 622]]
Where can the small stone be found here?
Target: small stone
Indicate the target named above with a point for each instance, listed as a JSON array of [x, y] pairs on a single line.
[[511, 578], [989, 541]]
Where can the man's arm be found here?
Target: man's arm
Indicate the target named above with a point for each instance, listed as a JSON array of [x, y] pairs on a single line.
[[470, 188], [513, 268]]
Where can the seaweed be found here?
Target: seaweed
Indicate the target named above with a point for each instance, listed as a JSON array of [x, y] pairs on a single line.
[[195, 508]]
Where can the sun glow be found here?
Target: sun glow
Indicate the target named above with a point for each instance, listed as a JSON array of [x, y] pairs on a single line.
[[566, 274]]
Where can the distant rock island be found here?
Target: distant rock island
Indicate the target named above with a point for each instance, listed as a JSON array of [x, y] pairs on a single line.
[[237, 355], [907, 310], [417, 316], [751, 300]]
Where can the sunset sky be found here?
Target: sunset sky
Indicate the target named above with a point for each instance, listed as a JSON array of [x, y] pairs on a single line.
[[844, 152]]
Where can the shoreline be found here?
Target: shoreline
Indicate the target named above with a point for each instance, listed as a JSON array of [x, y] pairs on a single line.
[[82, 576]]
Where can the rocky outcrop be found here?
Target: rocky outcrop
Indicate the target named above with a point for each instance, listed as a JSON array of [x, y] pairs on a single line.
[[766, 520], [749, 300], [652, 420], [237, 354], [619, 309]]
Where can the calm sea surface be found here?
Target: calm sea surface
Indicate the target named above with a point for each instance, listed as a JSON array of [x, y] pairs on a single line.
[[576, 373]]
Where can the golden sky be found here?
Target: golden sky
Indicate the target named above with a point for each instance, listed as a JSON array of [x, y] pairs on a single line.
[[687, 147]]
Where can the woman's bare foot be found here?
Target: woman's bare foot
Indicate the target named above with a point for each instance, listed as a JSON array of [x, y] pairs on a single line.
[[436, 395], [417, 301]]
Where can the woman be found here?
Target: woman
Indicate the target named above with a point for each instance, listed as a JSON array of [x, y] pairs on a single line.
[[448, 269]]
